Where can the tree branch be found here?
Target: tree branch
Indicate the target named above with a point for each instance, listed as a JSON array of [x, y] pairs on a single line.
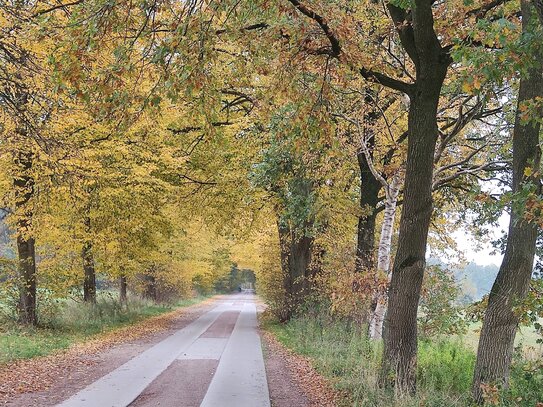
[[335, 52], [402, 22], [62, 5], [472, 170], [252, 27], [387, 81], [334, 41], [195, 181], [189, 129], [481, 12]]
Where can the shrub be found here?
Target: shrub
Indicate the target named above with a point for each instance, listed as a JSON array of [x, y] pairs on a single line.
[[439, 313]]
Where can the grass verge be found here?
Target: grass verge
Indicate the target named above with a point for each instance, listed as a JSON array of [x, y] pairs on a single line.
[[342, 353], [76, 322]]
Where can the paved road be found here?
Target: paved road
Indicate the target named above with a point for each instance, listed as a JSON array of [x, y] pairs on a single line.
[[216, 361]]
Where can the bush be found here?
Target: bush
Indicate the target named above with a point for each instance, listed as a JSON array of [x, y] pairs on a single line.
[[445, 366], [526, 388], [440, 315]]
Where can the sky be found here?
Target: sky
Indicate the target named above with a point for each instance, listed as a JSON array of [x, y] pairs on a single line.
[[483, 255]]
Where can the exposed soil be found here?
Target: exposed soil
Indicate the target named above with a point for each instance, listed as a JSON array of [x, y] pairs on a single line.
[[46, 381], [292, 380]]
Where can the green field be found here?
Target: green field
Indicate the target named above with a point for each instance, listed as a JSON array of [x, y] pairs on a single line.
[[526, 337]]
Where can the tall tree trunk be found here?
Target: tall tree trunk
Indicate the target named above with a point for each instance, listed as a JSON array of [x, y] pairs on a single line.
[[89, 282], [370, 186], [383, 256], [296, 256], [122, 289], [369, 197], [284, 247], [150, 290], [512, 282], [300, 265], [23, 183], [400, 326]]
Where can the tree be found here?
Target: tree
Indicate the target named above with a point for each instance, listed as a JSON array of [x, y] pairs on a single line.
[[291, 175], [419, 39], [25, 108], [24, 191], [511, 286], [430, 55], [87, 255]]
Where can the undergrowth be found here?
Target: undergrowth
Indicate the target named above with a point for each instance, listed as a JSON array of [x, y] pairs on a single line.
[[74, 322], [341, 351]]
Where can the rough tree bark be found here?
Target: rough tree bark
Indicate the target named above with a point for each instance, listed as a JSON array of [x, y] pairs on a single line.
[[150, 282], [369, 198], [89, 282], [23, 183], [400, 325], [512, 282], [296, 265]]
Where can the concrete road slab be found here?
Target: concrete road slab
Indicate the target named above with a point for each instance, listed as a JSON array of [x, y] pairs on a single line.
[[223, 326], [205, 348], [240, 380], [123, 385]]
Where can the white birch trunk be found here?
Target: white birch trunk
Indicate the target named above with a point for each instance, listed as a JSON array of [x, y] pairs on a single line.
[[375, 328]]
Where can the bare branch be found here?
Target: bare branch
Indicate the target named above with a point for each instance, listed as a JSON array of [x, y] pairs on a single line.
[[58, 6], [472, 170], [321, 21], [387, 81]]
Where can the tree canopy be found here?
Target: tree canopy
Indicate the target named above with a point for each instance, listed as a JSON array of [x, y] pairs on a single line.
[[328, 147]]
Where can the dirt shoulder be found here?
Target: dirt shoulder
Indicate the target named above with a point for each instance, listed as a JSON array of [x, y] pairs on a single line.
[[292, 380], [46, 381]]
